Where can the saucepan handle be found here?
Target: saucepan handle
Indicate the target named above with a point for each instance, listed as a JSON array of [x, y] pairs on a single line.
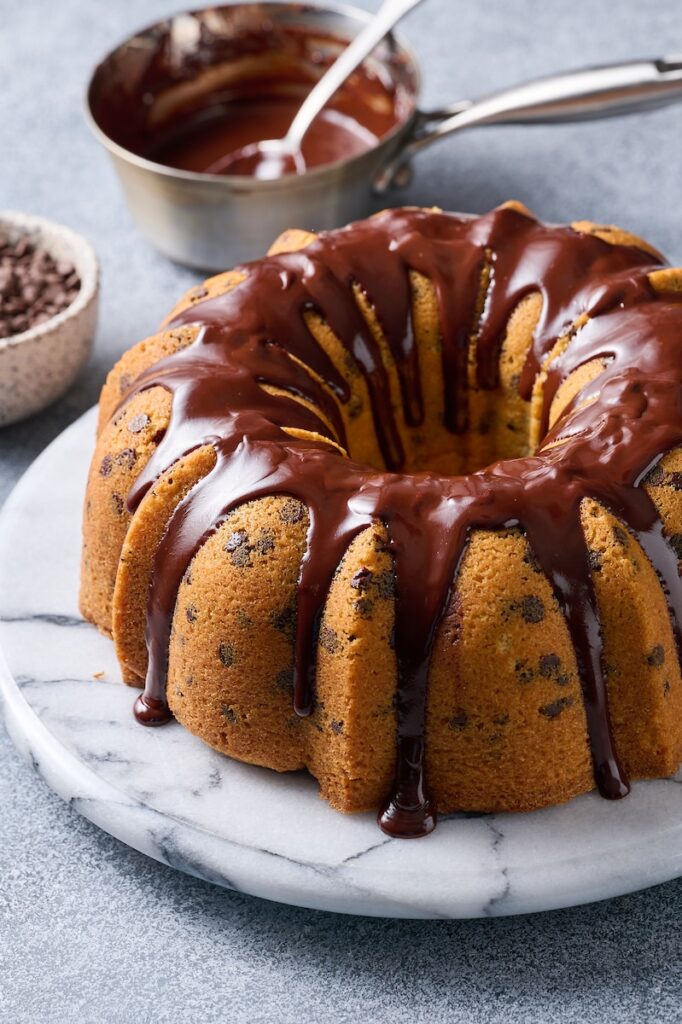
[[606, 91]]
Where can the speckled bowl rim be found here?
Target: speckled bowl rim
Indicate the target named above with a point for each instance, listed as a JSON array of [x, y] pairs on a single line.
[[89, 275]]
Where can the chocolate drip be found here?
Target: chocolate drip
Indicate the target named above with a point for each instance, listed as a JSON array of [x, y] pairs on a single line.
[[600, 448]]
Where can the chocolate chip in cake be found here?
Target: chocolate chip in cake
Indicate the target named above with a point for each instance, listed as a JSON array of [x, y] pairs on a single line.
[[364, 607], [226, 654], [292, 511], [126, 458], [236, 539], [285, 679], [362, 579], [284, 619], [243, 619], [556, 707], [138, 422], [329, 640], [524, 671], [265, 542], [385, 584], [532, 609], [550, 668], [656, 656], [620, 536], [531, 561], [458, 721], [594, 560]]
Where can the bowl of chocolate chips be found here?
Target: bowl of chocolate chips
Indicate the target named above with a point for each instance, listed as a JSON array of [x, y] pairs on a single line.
[[49, 282]]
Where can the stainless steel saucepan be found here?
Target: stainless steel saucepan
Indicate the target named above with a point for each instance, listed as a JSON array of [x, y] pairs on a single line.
[[214, 221]]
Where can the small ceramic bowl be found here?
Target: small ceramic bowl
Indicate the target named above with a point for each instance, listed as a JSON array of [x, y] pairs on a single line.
[[38, 365]]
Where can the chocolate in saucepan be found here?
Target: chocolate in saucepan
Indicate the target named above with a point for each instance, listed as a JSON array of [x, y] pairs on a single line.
[[189, 106]]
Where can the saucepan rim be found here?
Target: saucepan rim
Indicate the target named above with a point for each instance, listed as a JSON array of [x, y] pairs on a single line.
[[232, 183]]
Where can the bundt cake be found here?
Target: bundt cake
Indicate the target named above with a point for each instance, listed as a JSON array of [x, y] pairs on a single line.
[[399, 504]]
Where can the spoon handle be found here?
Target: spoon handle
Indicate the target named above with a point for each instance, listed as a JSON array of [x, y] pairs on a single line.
[[390, 12], [606, 91]]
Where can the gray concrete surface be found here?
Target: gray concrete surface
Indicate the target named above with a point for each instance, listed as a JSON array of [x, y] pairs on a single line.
[[93, 932]]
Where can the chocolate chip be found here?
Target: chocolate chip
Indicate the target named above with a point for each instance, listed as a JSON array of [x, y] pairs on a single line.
[[236, 539], [243, 619], [364, 607], [292, 511], [532, 609], [239, 548], [33, 287], [594, 560], [285, 680], [620, 536], [106, 466], [385, 584], [126, 458], [329, 640], [531, 561], [138, 423], [229, 713], [556, 707], [458, 721], [656, 656], [336, 727], [674, 480], [265, 542], [362, 579], [284, 619], [655, 477], [523, 671], [226, 654], [549, 665], [241, 557], [191, 613]]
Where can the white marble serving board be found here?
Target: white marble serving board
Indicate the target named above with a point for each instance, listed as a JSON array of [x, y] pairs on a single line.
[[167, 794]]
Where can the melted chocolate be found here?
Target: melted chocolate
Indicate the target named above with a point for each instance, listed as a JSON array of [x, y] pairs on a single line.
[[599, 450], [211, 142], [189, 91]]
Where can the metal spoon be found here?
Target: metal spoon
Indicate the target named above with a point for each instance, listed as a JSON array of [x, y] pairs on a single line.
[[273, 158]]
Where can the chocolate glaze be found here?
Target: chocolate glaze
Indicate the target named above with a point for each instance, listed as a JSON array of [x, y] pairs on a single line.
[[599, 450]]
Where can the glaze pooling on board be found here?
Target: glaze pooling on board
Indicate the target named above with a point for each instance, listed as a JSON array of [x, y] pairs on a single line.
[[599, 449]]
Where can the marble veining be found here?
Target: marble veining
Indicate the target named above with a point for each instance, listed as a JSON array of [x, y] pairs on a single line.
[[171, 797]]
